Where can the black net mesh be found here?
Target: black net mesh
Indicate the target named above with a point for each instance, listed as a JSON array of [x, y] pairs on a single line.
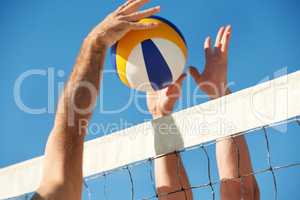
[[274, 155]]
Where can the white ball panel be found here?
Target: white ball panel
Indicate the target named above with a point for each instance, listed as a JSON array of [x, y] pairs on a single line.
[[173, 55], [136, 71]]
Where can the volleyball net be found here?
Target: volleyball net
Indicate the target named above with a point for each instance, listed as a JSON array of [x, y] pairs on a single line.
[[121, 165]]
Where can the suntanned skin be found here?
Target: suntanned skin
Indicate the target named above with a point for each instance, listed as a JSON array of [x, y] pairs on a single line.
[[233, 158], [62, 178], [170, 175]]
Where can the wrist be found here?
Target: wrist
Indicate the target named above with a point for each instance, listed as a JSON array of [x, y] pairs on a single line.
[[159, 114], [96, 42]]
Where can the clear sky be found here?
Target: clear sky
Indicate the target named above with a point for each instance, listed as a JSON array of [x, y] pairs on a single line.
[[46, 36]]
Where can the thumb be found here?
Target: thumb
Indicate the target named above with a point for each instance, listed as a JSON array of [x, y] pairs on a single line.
[[180, 79], [196, 75], [176, 86]]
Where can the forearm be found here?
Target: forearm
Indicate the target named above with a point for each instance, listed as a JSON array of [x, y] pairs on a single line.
[[64, 150], [234, 166], [171, 177], [235, 170], [80, 93], [233, 158]]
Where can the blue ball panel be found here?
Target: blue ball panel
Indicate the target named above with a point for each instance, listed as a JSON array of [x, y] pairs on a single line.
[[157, 68], [113, 53]]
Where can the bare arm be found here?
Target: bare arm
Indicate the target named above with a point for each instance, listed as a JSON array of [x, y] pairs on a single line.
[[62, 173], [63, 154], [232, 154], [170, 175], [234, 162]]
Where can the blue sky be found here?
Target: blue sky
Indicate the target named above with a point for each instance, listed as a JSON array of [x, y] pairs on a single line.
[[48, 34]]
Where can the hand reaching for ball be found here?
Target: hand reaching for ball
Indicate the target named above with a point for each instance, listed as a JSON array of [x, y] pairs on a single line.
[[213, 80], [121, 21]]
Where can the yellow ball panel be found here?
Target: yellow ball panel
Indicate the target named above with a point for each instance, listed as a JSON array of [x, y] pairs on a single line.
[[133, 38]]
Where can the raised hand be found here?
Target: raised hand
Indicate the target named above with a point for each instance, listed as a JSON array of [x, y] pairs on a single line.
[[121, 21], [213, 80], [162, 102]]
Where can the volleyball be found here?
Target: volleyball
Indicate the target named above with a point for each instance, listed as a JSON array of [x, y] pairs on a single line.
[[150, 60]]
